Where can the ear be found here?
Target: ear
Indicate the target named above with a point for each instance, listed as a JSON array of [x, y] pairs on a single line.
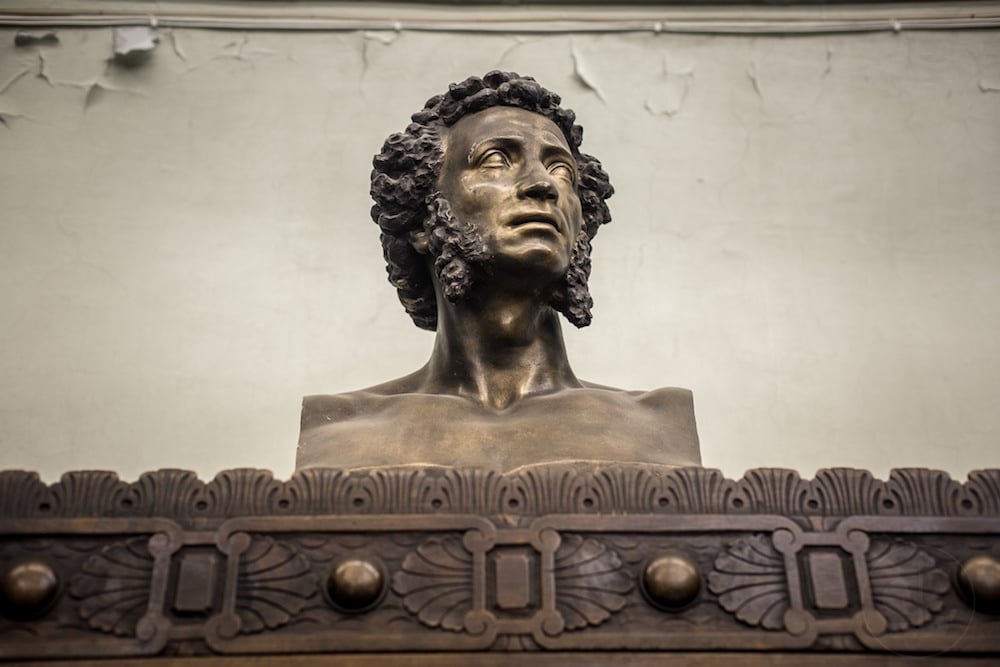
[[418, 239]]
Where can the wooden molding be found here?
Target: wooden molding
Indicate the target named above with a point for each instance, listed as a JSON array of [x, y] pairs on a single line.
[[548, 561]]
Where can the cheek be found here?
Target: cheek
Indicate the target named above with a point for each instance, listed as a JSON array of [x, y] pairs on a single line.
[[464, 197], [471, 206], [575, 211], [481, 195]]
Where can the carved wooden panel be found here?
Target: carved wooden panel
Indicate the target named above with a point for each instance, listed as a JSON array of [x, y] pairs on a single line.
[[550, 559]]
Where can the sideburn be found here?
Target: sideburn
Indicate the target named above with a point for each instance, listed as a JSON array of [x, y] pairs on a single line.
[[573, 300], [457, 248]]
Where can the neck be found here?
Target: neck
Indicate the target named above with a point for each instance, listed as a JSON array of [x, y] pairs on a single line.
[[498, 350]]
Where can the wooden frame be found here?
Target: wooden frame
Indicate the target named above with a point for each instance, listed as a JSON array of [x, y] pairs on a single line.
[[563, 564]]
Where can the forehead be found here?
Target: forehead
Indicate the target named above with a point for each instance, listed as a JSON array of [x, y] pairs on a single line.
[[506, 122]]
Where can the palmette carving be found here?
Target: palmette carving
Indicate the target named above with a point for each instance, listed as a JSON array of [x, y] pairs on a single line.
[[915, 491], [89, 492], [22, 494], [809, 576], [775, 490], [240, 491], [843, 491], [983, 489], [591, 584], [699, 491], [113, 586], [751, 582], [164, 493], [436, 583], [275, 583], [907, 586], [533, 491]]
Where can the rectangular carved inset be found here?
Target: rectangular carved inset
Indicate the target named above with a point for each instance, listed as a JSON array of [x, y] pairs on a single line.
[[828, 584], [195, 583], [513, 580]]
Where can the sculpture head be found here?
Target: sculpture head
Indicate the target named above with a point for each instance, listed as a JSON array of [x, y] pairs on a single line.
[[407, 189]]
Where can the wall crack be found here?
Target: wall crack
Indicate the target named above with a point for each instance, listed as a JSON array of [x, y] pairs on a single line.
[[12, 80], [583, 76]]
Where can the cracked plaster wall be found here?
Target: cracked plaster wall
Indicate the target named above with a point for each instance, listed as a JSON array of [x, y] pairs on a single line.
[[806, 233]]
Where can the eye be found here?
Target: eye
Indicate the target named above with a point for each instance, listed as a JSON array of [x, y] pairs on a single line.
[[563, 170], [494, 159]]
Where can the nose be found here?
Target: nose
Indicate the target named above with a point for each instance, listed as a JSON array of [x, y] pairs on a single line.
[[537, 187]]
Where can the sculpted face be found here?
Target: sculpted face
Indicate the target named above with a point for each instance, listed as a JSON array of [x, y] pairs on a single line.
[[511, 175]]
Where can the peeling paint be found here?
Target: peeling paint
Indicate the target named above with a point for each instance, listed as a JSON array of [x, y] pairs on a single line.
[[175, 45], [12, 80], [6, 116], [364, 58], [132, 46], [668, 107], [97, 89], [584, 77], [234, 50], [94, 93], [42, 72], [94, 89], [241, 52], [986, 87], [668, 97], [518, 42], [381, 36], [23, 38], [752, 75]]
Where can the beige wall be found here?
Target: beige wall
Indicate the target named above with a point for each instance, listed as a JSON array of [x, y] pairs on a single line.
[[806, 233]]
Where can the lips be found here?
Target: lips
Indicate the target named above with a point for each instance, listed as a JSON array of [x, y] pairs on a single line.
[[536, 217]]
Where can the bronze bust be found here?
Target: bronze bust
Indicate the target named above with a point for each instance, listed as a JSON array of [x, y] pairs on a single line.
[[487, 209]]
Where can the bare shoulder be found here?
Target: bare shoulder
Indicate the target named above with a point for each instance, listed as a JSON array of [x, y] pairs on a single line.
[[672, 410], [325, 420], [663, 398], [322, 409], [671, 405], [668, 398], [662, 418]]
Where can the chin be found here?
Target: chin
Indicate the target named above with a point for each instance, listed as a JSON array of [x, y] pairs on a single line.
[[535, 258]]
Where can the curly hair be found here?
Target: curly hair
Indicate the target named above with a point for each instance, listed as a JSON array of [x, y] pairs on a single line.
[[407, 199]]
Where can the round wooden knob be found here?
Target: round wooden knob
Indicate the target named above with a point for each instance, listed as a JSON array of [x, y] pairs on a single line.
[[355, 584], [28, 588], [979, 581], [671, 581]]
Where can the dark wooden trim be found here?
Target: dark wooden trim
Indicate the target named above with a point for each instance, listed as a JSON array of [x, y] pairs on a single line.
[[563, 564], [602, 659]]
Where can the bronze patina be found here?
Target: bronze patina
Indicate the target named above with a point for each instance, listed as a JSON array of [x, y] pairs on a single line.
[[487, 208]]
